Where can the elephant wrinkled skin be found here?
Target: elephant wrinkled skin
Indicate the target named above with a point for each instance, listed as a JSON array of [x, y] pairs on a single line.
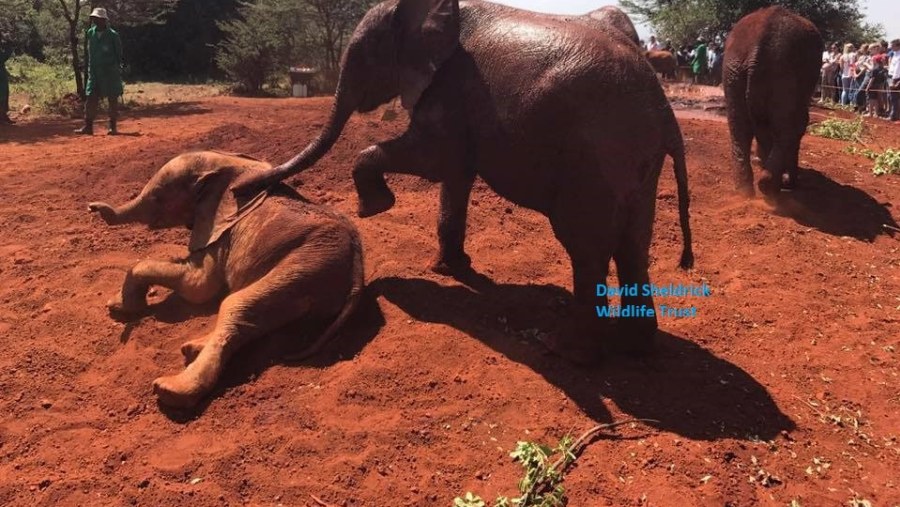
[[279, 258], [565, 118], [771, 66]]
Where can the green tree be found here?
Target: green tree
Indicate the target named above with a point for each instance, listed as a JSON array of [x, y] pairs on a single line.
[[270, 35], [265, 36], [334, 22], [683, 21], [16, 23]]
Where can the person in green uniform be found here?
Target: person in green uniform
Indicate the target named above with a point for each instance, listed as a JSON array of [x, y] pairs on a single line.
[[5, 53], [700, 64], [103, 54]]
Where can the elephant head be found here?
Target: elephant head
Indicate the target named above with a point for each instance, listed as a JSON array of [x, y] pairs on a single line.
[[395, 51], [190, 191]]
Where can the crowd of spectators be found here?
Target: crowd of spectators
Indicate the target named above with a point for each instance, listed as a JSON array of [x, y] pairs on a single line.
[[865, 78], [704, 59]]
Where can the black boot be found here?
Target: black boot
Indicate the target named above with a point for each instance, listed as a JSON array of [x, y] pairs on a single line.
[[88, 129], [112, 128]]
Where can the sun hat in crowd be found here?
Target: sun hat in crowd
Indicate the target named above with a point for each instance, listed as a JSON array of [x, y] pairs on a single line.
[[99, 12]]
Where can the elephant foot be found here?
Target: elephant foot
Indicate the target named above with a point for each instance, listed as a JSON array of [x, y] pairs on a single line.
[[633, 337], [190, 350], [374, 198], [180, 391], [788, 183], [122, 312], [767, 184], [449, 266]]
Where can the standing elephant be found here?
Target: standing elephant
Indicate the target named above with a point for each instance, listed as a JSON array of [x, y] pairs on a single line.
[[555, 116], [663, 62], [772, 62], [279, 258]]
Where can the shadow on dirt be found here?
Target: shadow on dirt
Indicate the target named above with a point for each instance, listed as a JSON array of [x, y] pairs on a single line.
[[688, 390], [291, 342], [165, 110], [839, 210], [170, 310], [40, 130]]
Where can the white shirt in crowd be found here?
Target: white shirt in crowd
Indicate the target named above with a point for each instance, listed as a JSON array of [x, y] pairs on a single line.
[[894, 67], [654, 46]]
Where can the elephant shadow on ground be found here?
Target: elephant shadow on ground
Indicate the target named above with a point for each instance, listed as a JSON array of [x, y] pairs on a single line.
[[284, 345], [683, 387], [835, 209]]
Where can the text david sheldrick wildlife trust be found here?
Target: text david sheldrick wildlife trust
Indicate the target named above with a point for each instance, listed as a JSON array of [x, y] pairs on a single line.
[[651, 290]]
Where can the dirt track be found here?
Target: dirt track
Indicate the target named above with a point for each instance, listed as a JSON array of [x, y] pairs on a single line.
[[791, 364]]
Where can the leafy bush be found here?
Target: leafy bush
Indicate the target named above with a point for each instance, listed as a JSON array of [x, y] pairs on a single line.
[[887, 162], [842, 130], [47, 85], [257, 45]]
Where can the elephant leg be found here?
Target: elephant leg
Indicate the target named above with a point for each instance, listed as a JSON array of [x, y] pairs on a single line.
[[763, 146], [284, 295], [452, 257], [415, 152], [635, 335], [741, 127], [192, 279], [791, 123], [590, 245]]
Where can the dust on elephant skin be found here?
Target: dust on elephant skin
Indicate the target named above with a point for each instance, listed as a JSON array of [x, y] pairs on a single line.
[[279, 258], [771, 66]]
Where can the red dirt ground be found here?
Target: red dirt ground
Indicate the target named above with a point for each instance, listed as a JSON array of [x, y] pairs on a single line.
[[785, 387]]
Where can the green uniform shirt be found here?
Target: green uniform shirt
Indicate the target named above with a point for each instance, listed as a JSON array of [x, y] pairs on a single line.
[[103, 50], [700, 64]]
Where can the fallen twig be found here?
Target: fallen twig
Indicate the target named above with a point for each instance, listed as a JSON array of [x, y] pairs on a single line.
[[890, 227], [320, 501]]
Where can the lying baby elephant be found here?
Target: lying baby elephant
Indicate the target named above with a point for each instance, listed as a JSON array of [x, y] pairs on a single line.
[[279, 257]]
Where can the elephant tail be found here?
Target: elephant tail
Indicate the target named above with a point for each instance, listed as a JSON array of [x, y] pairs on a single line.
[[684, 202], [352, 301]]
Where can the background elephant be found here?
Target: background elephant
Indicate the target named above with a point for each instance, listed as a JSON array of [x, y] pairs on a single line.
[[555, 116], [279, 258], [663, 62], [771, 65]]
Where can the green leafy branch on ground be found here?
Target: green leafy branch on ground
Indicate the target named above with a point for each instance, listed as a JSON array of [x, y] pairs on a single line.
[[541, 485], [887, 162], [842, 130]]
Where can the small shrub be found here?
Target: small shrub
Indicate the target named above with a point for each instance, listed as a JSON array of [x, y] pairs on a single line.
[[48, 85], [887, 162], [842, 130]]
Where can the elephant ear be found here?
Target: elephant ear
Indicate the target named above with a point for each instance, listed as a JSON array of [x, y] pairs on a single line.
[[217, 208], [428, 34]]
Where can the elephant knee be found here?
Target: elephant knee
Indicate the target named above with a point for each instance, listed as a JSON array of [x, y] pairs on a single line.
[[368, 163]]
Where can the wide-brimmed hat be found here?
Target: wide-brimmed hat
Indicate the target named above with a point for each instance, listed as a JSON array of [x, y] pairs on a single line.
[[99, 12]]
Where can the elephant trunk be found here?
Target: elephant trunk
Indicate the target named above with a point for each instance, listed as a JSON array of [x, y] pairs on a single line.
[[344, 105], [130, 212]]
